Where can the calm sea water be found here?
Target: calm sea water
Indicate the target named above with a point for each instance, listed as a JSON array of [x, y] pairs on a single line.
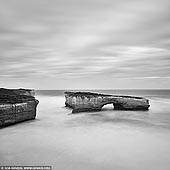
[[111, 140]]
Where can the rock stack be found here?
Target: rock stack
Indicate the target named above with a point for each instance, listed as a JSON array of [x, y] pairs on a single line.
[[87, 101]]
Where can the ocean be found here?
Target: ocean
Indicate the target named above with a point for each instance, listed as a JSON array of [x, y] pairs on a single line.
[[109, 139]]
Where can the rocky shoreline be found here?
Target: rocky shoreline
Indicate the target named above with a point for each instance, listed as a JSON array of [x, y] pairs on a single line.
[[17, 105], [87, 101]]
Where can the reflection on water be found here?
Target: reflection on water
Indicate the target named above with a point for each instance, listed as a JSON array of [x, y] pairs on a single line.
[[100, 140]]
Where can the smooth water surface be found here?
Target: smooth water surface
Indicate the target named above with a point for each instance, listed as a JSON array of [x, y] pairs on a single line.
[[111, 140]]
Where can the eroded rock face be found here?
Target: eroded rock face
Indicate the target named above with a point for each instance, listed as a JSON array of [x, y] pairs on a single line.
[[17, 105], [87, 101], [28, 92]]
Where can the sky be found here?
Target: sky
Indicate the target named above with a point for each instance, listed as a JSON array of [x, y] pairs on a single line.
[[85, 44]]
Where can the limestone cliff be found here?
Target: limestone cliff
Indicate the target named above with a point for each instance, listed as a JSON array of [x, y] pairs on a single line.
[[28, 92], [87, 101], [16, 105]]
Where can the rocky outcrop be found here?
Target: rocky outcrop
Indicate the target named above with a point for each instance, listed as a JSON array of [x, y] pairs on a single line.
[[28, 92], [17, 105], [87, 101]]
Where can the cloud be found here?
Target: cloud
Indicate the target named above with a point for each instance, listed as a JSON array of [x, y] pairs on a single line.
[[87, 40]]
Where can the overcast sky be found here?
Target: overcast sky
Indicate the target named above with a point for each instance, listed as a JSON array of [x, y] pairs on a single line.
[[85, 44]]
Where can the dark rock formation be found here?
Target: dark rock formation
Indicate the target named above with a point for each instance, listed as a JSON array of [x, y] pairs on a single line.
[[87, 101], [17, 105], [28, 92]]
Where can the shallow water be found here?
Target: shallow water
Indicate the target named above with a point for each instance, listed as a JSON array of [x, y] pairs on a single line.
[[120, 140]]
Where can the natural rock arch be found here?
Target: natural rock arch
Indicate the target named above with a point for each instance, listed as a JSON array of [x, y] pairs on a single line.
[[87, 101]]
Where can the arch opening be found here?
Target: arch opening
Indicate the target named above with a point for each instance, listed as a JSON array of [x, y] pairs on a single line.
[[108, 106]]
